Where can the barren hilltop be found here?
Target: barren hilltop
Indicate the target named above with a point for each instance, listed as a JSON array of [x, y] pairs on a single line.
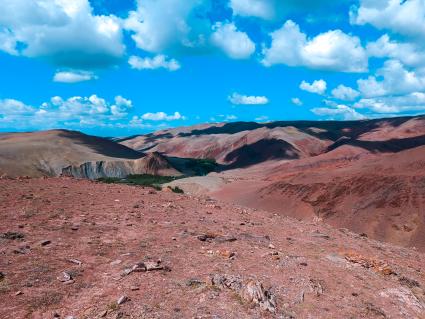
[[81, 249]]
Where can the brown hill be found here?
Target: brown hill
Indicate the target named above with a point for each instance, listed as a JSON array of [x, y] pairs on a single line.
[[48, 153]]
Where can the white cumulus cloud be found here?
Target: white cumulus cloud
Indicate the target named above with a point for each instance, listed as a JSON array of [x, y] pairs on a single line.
[[327, 51], [157, 62], [296, 101], [162, 116], [66, 33], [234, 43], [338, 112], [402, 17], [408, 53], [239, 99], [265, 9], [394, 104], [345, 93], [74, 112], [317, 87], [73, 76], [160, 26], [392, 79]]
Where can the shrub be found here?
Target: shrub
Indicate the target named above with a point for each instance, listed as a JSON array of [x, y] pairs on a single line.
[[176, 189], [202, 166], [109, 180], [154, 181]]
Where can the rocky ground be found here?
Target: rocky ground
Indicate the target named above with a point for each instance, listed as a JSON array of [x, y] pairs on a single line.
[[80, 249]]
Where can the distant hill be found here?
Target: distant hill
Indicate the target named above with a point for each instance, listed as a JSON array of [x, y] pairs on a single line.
[[242, 144], [47, 153]]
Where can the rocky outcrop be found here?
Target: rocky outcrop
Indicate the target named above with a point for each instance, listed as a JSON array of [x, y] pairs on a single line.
[[250, 291], [153, 164]]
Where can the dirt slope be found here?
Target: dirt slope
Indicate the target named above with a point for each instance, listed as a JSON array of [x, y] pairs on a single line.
[[382, 196], [75, 247]]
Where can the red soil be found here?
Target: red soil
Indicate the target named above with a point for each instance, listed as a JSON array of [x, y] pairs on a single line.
[[311, 269]]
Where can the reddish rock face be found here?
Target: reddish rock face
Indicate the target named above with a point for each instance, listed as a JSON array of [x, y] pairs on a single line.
[[281, 268]]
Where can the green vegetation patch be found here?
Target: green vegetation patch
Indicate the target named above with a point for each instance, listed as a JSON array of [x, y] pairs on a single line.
[[202, 167], [176, 190], [154, 181]]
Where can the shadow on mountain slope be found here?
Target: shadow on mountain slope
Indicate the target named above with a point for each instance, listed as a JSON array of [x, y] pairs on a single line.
[[100, 145], [390, 146], [261, 151]]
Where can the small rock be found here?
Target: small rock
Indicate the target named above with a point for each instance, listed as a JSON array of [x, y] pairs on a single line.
[[193, 282], [65, 277], [75, 261], [251, 291], [116, 262], [45, 242], [223, 239], [408, 282], [205, 237], [18, 293], [153, 265], [173, 238], [12, 236], [2, 276], [316, 287], [134, 288], [320, 235], [139, 267], [271, 246], [22, 250], [127, 272], [74, 227], [103, 314], [226, 253], [56, 315], [122, 300]]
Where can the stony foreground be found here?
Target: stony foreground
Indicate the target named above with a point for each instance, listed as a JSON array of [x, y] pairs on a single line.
[[79, 249]]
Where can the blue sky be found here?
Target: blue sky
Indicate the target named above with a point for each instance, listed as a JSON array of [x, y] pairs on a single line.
[[112, 67]]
